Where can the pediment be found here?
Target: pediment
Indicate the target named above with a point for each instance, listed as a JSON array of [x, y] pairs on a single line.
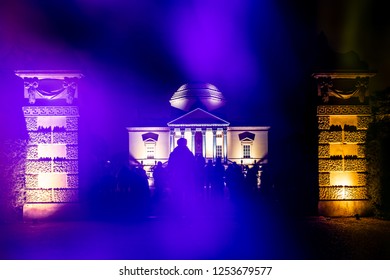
[[246, 136], [198, 117], [150, 136]]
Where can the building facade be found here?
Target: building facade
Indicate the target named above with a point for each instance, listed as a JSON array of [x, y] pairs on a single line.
[[207, 134]]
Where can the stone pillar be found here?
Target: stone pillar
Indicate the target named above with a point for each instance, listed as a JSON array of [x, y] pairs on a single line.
[[204, 142], [341, 140], [214, 144], [171, 139], [193, 140], [52, 181], [225, 145]]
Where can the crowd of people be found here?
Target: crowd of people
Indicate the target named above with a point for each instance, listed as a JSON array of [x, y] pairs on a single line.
[[184, 180]]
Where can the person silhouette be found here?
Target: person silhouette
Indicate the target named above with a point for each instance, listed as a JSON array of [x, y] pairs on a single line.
[[159, 180], [181, 169], [200, 163], [218, 179], [208, 180], [251, 180]]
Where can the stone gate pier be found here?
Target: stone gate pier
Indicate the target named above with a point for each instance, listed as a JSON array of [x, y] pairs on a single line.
[[343, 115], [51, 116]]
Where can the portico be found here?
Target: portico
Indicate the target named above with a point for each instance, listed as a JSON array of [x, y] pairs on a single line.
[[206, 134]]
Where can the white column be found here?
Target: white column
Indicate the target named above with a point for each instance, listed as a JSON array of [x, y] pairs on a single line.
[[204, 143], [193, 140], [214, 144], [171, 139], [225, 145]]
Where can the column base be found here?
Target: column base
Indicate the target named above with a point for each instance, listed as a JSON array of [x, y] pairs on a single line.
[[52, 211], [344, 208]]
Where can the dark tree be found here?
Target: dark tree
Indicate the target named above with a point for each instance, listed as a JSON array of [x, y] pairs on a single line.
[[12, 179], [377, 151]]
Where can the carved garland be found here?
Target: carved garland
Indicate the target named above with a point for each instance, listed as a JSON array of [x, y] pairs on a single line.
[[326, 88], [69, 86]]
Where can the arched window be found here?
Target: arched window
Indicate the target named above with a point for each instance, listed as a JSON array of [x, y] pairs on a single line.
[[150, 140], [246, 139]]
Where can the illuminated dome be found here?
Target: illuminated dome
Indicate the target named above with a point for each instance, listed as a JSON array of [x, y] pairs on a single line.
[[192, 95]]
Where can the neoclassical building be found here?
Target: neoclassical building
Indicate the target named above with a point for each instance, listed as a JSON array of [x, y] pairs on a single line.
[[207, 134]]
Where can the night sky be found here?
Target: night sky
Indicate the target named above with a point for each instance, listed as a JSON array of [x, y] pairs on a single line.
[[135, 54]]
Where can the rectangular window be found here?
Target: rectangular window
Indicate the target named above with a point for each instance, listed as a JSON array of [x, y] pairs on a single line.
[[150, 151], [218, 151], [218, 138], [246, 151]]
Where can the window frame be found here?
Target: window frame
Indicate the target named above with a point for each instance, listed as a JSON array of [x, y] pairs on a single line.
[[150, 149]]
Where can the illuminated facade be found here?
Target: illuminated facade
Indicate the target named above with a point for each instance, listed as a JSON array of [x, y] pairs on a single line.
[[343, 117], [52, 153], [207, 135]]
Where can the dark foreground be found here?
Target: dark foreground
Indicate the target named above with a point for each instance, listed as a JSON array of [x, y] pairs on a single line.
[[206, 235]]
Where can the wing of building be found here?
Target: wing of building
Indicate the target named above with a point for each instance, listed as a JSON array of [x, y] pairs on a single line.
[[207, 134]]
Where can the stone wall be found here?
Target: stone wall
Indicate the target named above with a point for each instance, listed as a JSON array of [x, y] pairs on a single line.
[[341, 158], [52, 158]]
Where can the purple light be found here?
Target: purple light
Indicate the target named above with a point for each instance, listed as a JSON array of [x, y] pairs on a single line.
[[209, 42]]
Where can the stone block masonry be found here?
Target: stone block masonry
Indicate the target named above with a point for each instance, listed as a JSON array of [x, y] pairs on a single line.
[[51, 174]]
